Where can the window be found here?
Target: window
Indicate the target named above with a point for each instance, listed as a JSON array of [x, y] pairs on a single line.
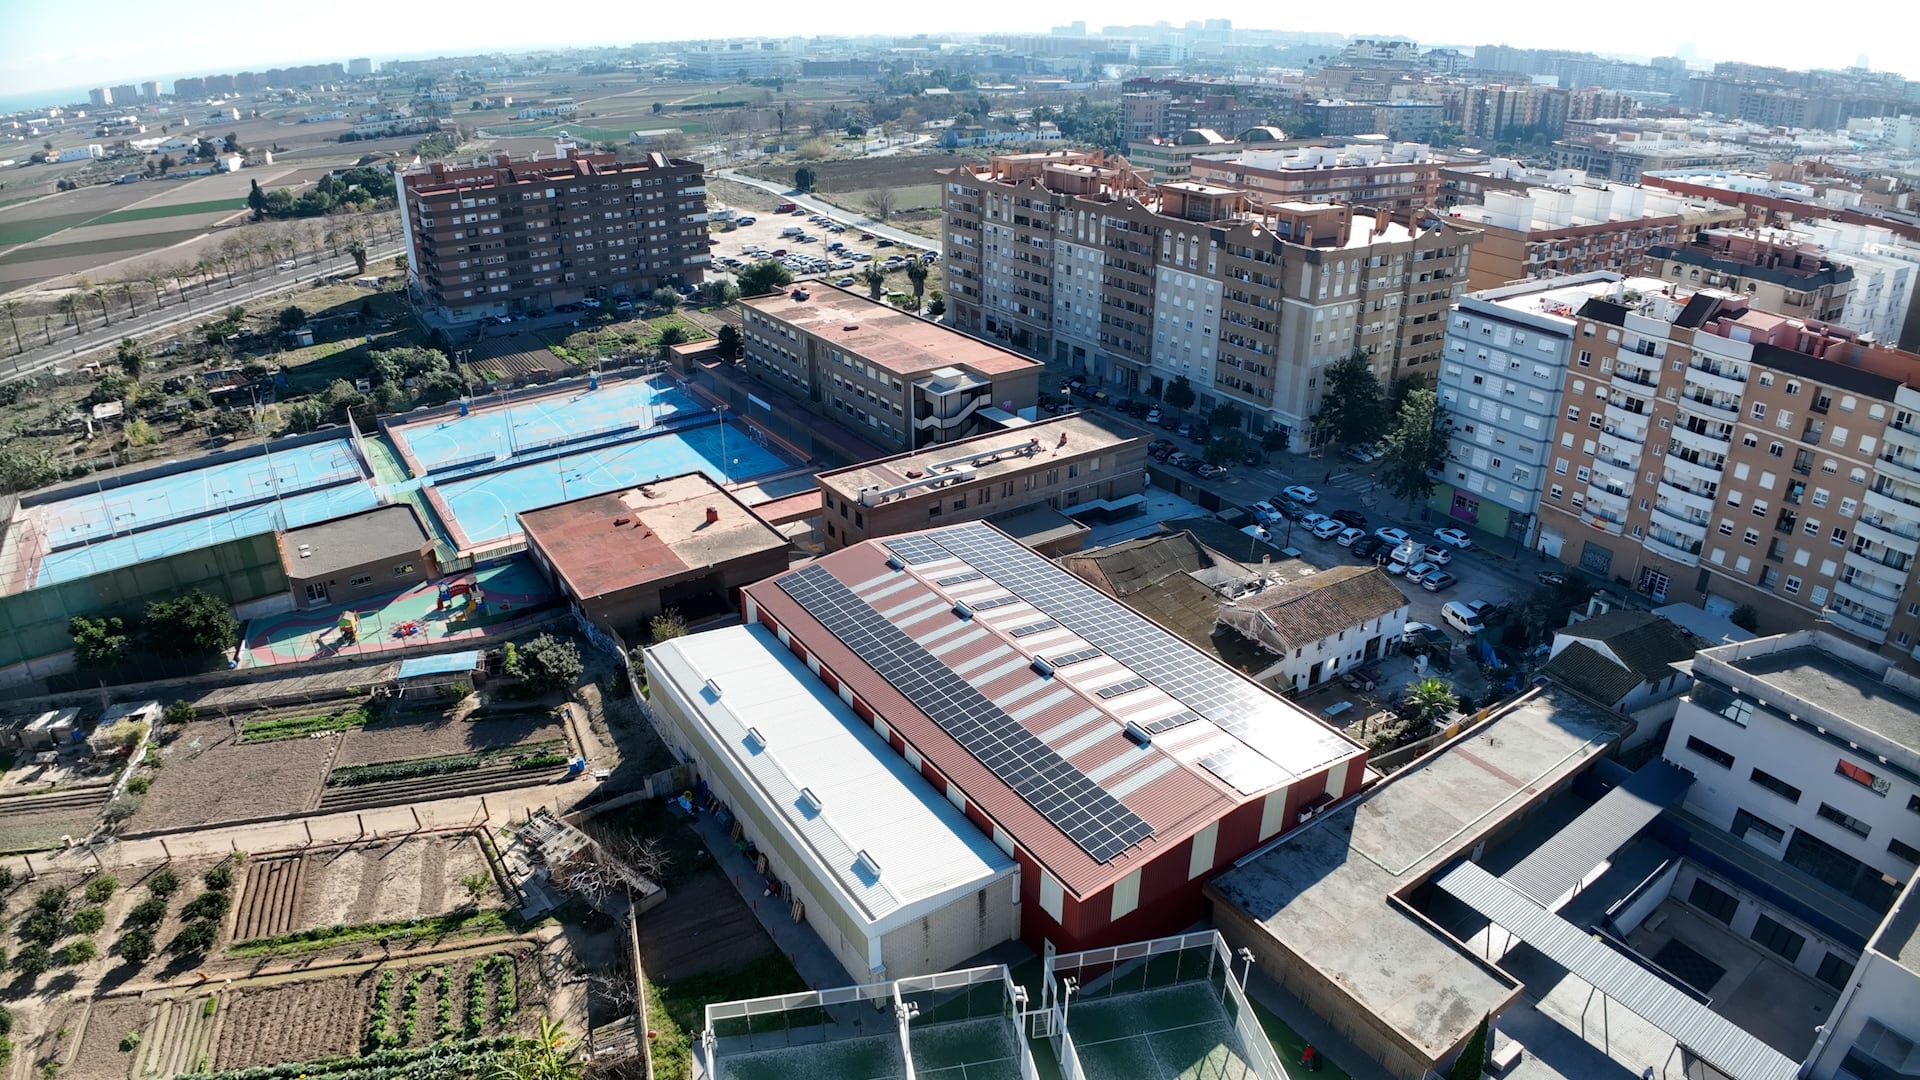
[[317, 591], [1555, 492], [1714, 901], [1793, 585], [1710, 752], [1845, 820], [1862, 777], [1759, 410], [363, 579], [1903, 851], [1835, 970], [1776, 785], [1771, 935], [1744, 823]]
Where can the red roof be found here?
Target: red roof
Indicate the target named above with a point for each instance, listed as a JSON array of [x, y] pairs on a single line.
[[883, 334]]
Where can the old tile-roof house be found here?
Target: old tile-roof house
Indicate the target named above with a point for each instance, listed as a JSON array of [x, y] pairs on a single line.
[[1322, 624]]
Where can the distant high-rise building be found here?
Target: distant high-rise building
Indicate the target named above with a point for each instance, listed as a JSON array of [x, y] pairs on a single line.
[[100, 96], [150, 90], [125, 93], [358, 66]]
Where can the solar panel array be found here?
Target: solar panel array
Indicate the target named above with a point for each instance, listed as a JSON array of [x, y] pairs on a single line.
[[1185, 673], [1100, 824]]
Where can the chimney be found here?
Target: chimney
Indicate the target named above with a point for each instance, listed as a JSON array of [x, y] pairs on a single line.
[[713, 515], [1380, 219], [502, 160]]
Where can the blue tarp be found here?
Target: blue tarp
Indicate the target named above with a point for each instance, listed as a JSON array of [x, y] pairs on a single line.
[[458, 663]]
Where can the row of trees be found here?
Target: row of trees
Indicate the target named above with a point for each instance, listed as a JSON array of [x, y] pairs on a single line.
[[358, 190], [196, 624], [1405, 420]]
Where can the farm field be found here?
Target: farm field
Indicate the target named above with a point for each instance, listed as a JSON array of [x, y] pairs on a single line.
[[35, 822], [390, 881], [865, 174], [207, 777], [407, 735], [293, 1021], [99, 1056], [179, 1038]]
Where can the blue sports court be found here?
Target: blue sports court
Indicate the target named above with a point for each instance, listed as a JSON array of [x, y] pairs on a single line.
[[494, 430]]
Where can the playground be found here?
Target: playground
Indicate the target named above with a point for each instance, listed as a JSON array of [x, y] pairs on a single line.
[[486, 507], [461, 606], [497, 430]]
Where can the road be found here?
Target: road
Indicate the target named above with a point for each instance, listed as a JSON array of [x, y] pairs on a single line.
[[846, 217], [69, 351]]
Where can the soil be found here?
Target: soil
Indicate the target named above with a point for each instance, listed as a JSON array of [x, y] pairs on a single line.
[[180, 1038], [207, 777], [410, 734], [99, 1056], [387, 882], [702, 926], [865, 174], [295, 1021]]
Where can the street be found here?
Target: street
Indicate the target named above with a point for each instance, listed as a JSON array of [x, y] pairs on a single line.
[[813, 205]]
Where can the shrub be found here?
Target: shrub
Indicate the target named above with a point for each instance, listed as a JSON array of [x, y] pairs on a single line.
[[194, 938], [550, 663], [212, 1006], [31, 961], [135, 946], [79, 952], [180, 712], [42, 927], [139, 785], [130, 1043], [212, 906], [6, 1021], [86, 921], [6, 878], [220, 877], [51, 899], [164, 883], [101, 888], [148, 912]]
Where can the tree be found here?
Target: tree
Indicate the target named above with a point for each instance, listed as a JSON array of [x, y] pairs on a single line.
[[1472, 1062], [11, 309], [196, 624], [400, 263], [666, 626], [718, 291], [129, 356], [550, 663], [1179, 393], [804, 179], [917, 276], [180, 712], [880, 201], [79, 952], [875, 279], [194, 938], [135, 945], [1351, 410], [728, 340], [31, 962], [123, 290], [98, 643], [1427, 701], [1416, 448], [358, 250], [665, 298], [292, 318], [763, 277], [1746, 618], [168, 161], [256, 199], [669, 337], [1273, 440], [937, 304]]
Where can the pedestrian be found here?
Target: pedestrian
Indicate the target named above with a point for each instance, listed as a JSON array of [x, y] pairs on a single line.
[[1328, 477]]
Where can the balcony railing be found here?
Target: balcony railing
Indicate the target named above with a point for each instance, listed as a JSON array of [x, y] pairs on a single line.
[[1868, 594], [1697, 401], [1856, 625], [1677, 519], [1908, 466], [1674, 547]]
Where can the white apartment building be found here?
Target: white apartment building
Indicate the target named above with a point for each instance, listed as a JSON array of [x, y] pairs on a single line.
[[1886, 269], [1805, 749], [1501, 377]]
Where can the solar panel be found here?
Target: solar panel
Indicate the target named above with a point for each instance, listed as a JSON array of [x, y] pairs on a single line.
[[916, 549], [960, 579], [1100, 824], [1168, 723], [988, 605], [1185, 673], [1074, 657], [1033, 628], [1125, 686]]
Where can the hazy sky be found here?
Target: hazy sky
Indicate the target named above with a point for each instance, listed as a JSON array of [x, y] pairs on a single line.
[[59, 44]]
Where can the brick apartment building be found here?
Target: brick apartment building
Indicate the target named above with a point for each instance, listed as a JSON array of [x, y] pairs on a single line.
[[1556, 229], [1074, 258], [1710, 452], [899, 380], [1069, 464], [497, 238], [1403, 177]]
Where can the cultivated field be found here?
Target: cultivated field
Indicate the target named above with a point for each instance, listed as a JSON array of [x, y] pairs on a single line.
[[99, 1056], [207, 777], [179, 1038], [293, 1021], [409, 734], [391, 881]]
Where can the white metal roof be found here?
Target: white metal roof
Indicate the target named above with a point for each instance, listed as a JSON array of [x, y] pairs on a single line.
[[802, 747]]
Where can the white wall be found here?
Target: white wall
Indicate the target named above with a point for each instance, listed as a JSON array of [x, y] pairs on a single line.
[[1501, 383], [1342, 650]]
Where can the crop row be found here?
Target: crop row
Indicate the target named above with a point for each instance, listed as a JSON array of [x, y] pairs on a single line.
[[295, 727], [326, 937], [529, 755], [436, 1062]]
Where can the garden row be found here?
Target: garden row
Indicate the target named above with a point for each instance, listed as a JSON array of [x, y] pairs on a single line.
[[490, 1001], [523, 756]]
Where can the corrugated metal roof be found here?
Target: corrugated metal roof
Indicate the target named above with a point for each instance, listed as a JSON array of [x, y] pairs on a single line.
[[443, 664], [869, 799], [1703, 1032], [1555, 868]]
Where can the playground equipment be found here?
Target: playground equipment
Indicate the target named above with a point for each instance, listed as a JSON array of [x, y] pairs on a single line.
[[349, 627], [476, 602]]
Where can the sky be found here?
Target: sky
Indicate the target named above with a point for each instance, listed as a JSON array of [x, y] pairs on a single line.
[[59, 45]]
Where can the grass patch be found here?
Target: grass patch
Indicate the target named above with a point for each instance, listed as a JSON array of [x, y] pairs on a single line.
[[104, 246], [31, 229], [299, 727], [148, 213], [401, 934], [678, 1010]]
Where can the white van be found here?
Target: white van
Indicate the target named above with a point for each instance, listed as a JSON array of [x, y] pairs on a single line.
[[1408, 554], [791, 231]]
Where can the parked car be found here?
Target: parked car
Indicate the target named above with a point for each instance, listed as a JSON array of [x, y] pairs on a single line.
[[1438, 556], [1453, 538], [591, 303], [1266, 512], [1348, 535], [1393, 536], [1292, 510], [1252, 458], [845, 282], [1352, 517], [1465, 616], [1212, 472], [1328, 527], [1178, 460], [1311, 521], [1420, 569], [1367, 546], [1302, 493], [883, 242], [1436, 580], [866, 236], [745, 220], [1358, 453], [1185, 431], [1160, 444]]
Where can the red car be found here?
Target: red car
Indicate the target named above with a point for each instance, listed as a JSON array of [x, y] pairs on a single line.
[[866, 236]]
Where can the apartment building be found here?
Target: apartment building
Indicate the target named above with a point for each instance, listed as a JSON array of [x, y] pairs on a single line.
[[492, 239], [900, 381], [1501, 379], [1402, 177], [1172, 158], [1071, 464], [1626, 159], [1073, 257], [1553, 229], [1712, 453], [1154, 114]]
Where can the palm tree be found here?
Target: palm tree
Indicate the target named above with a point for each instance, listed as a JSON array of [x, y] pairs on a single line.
[[70, 307], [123, 290], [1427, 701], [99, 298], [874, 279], [359, 252], [548, 1057], [288, 248], [917, 274], [203, 269], [154, 279], [333, 241], [225, 259], [11, 309]]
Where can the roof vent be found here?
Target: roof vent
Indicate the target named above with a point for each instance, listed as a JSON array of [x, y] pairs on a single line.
[[617, 522], [306, 551], [850, 327], [809, 801], [1042, 668], [713, 514], [1138, 734], [864, 863], [894, 563], [756, 742], [713, 688], [961, 609]]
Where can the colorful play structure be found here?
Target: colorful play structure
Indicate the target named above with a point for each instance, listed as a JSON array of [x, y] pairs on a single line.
[[349, 627], [474, 601]]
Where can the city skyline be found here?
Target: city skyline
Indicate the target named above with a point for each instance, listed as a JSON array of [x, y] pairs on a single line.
[[124, 36]]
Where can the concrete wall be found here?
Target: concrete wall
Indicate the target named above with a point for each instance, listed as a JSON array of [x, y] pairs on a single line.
[[942, 940], [380, 572], [631, 607], [1881, 990]]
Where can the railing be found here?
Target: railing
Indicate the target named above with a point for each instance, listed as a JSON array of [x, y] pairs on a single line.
[[1729, 408], [1667, 512], [1855, 625], [1674, 547], [1902, 464]]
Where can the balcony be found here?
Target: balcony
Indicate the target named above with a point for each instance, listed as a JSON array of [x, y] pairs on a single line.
[[1705, 442], [1878, 566], [1601, 522], [1634, 377], [1715, 381], [1904, 466], [1686, 499], [1853, 624], [1612, 504], [1673, 547], [1694, 472], [1869, 594], [1893, 501], [1673, 517], [1618, 458], [1722, 410]]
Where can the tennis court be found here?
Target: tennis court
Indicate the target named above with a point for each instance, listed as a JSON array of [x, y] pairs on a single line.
[[197, 493], [113, 552], [486, 507], [1176, 1033], [500, 430]]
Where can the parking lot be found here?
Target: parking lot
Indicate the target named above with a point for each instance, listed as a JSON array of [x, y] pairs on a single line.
[[813, 254]]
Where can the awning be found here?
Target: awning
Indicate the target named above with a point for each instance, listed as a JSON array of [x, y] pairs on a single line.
[[1551, 872]]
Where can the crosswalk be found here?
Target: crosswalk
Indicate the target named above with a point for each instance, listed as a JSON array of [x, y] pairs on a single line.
[[1359, 482]]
